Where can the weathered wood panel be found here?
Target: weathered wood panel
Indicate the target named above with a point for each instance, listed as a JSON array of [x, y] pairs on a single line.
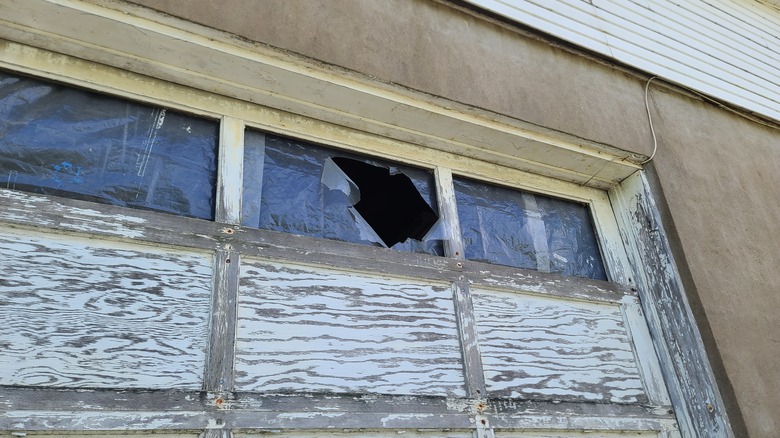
[[542, 348], [570, 434], [101, 435], [220, 360], [307, 329], [469, 345], [44, 409], [405, 433], [79, 312], [26, 210], [692, 387]]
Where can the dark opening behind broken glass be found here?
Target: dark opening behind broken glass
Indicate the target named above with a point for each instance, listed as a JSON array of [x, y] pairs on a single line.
[[389, 202], [62, 141], [284, 191], [513, 228]]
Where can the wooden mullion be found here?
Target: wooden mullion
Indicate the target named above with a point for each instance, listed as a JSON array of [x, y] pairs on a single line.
[[467, 331], [448, 212], [473, 371], [220, 357], [230, 171], [216, 433]]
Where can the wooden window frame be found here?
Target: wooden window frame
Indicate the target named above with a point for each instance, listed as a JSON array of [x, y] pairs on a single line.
[[624, 215]]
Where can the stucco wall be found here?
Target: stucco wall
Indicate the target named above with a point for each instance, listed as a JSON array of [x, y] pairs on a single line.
[[433, 48], [719, 176], [717, 170]]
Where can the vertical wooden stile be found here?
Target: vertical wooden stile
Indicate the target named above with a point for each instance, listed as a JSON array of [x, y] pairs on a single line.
[[647, 360], [230, 175], [467, 331], [464, 309], [216, 433], [692, 386], [220, 359], [448, 212], [221, 352]]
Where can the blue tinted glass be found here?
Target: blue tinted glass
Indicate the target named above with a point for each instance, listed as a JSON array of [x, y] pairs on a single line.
[[62, 141], [513, 228], [283, 191]]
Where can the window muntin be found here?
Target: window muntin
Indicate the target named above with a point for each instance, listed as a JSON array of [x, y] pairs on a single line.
[[62, 141], [283, 190], [514, 228]]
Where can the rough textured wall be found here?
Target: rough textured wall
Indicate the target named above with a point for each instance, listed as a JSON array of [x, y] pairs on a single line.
[[719, 176], [717, 170], [434, 48]]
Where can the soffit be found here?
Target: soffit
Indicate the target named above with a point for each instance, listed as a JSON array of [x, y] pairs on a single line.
[[143, 41]]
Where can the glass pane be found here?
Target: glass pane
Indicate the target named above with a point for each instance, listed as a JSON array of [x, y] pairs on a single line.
[[285, 190], [509, 227], [62, 141]]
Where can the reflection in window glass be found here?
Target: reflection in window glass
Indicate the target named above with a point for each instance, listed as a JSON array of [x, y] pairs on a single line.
[[296, 187], [513, 228], [61, 141]]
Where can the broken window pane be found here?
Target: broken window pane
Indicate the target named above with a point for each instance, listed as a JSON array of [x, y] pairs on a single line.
[[299, 188], [509, 227], [62, 141]]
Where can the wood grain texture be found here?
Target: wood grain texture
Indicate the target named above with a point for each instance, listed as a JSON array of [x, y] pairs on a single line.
[[402, 433], [306, 329], [231, 170], [647, 359], [26, 210], [469, 345], [79, 312], [542, 348], [104, 409], [101, 435], [448, 212], [692, 387], [222, 337]]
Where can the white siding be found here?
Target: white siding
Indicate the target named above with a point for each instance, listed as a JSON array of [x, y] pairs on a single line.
[[728, 49]]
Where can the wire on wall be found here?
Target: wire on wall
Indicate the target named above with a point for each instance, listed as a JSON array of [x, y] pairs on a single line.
[[650, 119]]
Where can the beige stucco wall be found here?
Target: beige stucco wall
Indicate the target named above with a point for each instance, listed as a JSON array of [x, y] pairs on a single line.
[[717, 170], [719, 175]]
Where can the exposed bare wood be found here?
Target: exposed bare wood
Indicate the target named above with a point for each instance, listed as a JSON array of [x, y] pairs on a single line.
[[58, 399], [216, 433], [303, 330], [175, 410], [221, 351], [692, 386], [324, 327], [483, 427], [84, 313], [28, 210], [602, 418], [405, 433], [472, 359], [119, 400], [542, 348]]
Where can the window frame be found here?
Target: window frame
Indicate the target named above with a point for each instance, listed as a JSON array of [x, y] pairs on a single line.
[[222, 237]]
